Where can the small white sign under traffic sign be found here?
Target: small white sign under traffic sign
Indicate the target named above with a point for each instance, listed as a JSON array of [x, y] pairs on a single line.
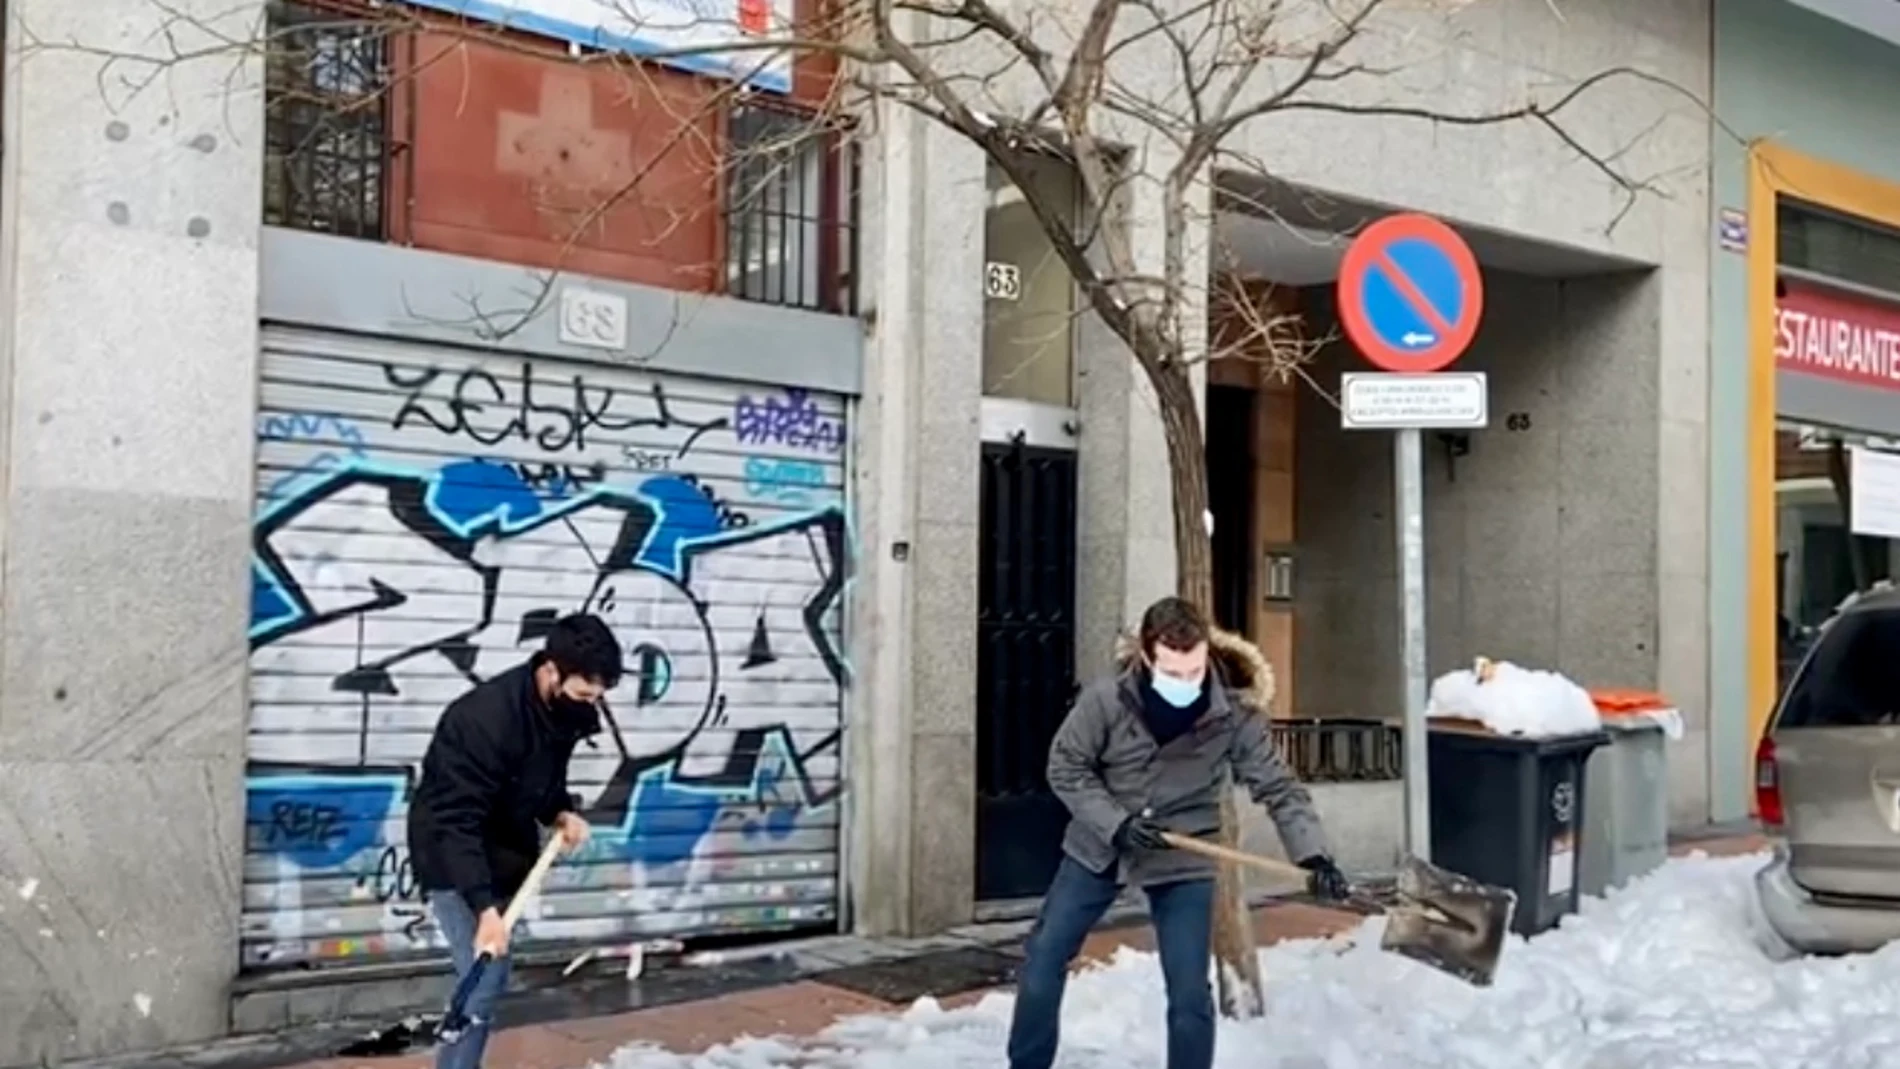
[[1441, 400]]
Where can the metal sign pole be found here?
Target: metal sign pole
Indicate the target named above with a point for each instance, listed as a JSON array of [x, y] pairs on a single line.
[[1410, 296], [1408, 480]]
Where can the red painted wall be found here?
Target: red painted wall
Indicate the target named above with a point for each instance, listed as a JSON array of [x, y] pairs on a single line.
[[517, 155], [508, 149]]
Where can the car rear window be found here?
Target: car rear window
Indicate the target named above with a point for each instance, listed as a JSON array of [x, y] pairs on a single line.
[[1853, 677]]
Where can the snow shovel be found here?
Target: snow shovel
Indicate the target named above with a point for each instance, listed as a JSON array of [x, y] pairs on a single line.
[[419, 1031], [1447, 921]]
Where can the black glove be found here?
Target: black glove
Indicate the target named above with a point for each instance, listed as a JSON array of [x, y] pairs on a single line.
[[1139, 833], [1328, 883]]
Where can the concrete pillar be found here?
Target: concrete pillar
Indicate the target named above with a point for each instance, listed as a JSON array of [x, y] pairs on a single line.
[[128, 268], [1127, 526], [914, 718]]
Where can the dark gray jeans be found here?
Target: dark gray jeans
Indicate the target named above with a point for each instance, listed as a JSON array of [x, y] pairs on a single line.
[[1183, 915]]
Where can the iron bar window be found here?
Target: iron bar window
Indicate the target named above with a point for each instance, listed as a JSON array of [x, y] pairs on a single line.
[[1340, 750], [325, 121], [790, 211]]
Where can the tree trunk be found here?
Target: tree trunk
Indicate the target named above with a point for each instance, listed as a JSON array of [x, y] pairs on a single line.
[[1234, 947]]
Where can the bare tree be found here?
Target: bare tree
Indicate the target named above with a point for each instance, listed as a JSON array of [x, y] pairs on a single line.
[[1150, 102]]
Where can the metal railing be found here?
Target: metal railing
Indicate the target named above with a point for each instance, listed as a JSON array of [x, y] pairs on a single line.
[[326, 122], [790, 208], [788, 201], [1340, 751]]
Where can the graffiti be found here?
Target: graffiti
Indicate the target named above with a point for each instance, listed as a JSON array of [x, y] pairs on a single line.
[[792, 420], [726, 514], [390, 575], [297, 425], [313, 428], [775, 815], [558, 480], [394, 878], [317, 820], [556, 420], [303, 826], [785, 480], [646, 459]]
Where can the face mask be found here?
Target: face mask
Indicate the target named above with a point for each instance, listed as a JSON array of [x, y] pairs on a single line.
[[569, 709], [1176, 692]]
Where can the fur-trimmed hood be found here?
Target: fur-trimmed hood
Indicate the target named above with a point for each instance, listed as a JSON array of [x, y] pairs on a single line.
[[1242, 668]]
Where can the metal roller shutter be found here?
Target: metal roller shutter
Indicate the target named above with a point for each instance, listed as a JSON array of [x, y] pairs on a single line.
[[423, 513]]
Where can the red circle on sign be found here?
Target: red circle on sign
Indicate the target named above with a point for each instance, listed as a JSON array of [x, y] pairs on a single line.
[[1370, 250]]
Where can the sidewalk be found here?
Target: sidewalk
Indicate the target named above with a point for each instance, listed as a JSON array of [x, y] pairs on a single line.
[[954, 972], [801, 1008]]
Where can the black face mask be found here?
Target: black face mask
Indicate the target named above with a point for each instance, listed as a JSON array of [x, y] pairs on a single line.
[[571, 712]]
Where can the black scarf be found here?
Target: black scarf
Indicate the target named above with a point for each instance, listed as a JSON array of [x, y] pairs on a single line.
[[1167, 722]]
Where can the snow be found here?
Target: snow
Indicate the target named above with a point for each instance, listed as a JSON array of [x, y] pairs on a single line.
[[1669, 720], [1675, 972], [1514, 701]]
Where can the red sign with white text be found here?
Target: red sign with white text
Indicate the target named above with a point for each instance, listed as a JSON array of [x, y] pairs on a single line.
[[1851, 340]]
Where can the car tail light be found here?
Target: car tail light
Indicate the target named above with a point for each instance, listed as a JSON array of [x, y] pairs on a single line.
[[1768, 785]]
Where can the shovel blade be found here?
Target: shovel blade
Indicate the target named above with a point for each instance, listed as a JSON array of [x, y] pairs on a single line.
[[1450, 922]]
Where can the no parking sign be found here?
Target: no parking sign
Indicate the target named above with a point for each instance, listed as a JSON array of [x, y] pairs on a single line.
[[1410, 294]]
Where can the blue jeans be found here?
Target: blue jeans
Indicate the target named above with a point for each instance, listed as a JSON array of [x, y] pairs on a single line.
[[1183, 915], [457, 922]]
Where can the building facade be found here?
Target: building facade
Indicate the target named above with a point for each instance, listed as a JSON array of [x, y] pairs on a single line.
[[354, 389], [1803, 305]]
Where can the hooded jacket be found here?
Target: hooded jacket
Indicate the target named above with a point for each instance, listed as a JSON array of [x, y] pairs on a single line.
[[494, 773], [1105, 766]]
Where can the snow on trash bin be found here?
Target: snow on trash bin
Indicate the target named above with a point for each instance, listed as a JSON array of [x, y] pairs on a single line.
[[1509, 700], [1507, 750]]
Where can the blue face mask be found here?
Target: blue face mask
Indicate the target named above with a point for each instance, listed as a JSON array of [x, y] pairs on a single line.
[[1176, 692]]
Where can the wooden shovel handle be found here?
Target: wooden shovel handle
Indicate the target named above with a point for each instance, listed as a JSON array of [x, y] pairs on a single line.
[[531, 886], [1237, 857]]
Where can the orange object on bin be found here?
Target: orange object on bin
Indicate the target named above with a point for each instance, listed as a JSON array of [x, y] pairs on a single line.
[[1615, 703]]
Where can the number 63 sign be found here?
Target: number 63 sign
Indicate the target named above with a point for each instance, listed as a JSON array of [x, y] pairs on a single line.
[[1001, 281]]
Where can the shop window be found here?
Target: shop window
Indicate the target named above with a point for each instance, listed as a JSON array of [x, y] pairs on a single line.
[[1820, 562], [1837, 475], [325, 121], [1029, 297], [1821, 242], [790, 211]]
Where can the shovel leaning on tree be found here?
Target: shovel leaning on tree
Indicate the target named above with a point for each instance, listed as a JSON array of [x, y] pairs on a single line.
[[1450, 922]]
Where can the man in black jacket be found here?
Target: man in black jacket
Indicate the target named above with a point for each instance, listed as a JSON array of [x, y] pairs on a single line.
[[494, 774]]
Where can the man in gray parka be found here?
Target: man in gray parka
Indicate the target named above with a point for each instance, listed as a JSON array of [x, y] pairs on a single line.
[[1145, 751]]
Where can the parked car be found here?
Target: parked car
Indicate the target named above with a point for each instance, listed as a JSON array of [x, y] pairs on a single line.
[[1827, 780]]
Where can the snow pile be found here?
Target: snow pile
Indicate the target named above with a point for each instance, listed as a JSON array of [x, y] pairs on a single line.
[[1514, 701], [1670, 972]]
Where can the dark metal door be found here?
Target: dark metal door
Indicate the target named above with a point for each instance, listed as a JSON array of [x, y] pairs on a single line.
[[1025, 663], [1230, 472]]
